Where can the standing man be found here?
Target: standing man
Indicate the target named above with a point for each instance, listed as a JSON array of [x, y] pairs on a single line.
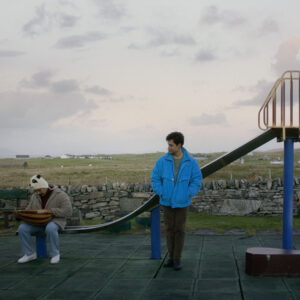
[[176, 177], [45, 199]]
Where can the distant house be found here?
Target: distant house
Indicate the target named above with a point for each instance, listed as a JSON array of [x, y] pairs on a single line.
[[199, 156], [276, 161], [105, 157], [22, 156], [67, 156]]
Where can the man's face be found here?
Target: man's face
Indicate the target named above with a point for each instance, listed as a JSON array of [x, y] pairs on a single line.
[[41, 192], [173, 148]]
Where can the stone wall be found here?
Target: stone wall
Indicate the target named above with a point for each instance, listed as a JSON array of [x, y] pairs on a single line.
[[221, 197], [100, 202], [109, 200], [241, 197]]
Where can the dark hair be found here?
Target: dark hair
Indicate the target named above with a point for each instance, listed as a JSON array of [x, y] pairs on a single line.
[[176, 137]]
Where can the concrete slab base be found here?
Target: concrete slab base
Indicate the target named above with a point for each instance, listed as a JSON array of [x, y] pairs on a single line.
[[272, 261]]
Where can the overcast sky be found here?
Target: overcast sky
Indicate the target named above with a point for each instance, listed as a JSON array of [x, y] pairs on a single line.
[[108, 76]]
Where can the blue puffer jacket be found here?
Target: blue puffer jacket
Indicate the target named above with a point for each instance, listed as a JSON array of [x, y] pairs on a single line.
[[189, 180]]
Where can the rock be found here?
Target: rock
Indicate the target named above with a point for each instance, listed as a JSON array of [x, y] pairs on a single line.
[[98, 205], [84, 188], [140, 195], [222, 184], [116, 185], [123, 186], [123, 193], [239, 207], [269, 184], [92, 215], [236, 184], [130, 204]]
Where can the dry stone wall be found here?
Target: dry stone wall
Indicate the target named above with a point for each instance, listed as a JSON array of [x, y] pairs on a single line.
[[221, 197], [241, 197]]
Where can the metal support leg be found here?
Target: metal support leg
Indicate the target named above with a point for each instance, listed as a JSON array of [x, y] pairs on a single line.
[[41, 246], [155, 234], [287, 237]]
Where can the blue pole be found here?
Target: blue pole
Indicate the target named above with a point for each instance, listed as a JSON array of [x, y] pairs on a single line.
[[41, 246], [287, 237], [155, 233]]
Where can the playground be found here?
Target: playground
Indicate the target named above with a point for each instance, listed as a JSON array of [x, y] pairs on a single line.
[[98, 266], [118, 266]]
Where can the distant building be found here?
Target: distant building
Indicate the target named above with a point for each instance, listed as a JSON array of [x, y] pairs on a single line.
[[199, 156], [85, 156], [276, 161], [105, 157], [22, 156], [67, 156]]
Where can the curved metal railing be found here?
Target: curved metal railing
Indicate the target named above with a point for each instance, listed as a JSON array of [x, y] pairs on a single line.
[[281, 108]]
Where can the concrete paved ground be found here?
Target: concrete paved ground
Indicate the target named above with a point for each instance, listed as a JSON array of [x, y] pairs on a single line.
[[117, 266]]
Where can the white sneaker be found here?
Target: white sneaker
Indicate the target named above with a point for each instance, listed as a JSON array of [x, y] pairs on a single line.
[[55, 259], [27, 258]]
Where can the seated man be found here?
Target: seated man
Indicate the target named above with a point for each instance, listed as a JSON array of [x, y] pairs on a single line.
[[45, 199]]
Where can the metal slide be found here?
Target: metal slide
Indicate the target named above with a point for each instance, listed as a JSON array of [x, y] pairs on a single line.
[[207, 170]]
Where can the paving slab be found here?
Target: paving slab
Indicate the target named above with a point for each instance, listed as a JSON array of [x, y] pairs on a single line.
[[118, 266]]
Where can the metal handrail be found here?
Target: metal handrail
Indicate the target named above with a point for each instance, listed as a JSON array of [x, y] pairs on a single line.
[[267, 120]]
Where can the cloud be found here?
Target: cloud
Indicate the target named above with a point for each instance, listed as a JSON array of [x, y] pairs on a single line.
[[78, 41], [65, 86], [10, 53], [44, 20], [205, 55], [111, 10], [170, 53], [287, 56], [44, 79], [206, 119], [212, 15], [40, 23], [38, 80], [36, 111], [260, 91], [98, 90], [159, 37], [135, 46], [67, 20], [268, 26], [162, 37]]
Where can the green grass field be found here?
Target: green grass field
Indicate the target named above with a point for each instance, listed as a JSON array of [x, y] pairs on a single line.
[[195, 221], [129, 168]]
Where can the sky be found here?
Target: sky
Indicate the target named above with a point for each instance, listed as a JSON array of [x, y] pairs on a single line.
[[99, 76]]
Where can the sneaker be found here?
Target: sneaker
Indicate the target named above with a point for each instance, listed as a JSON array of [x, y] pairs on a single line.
[[55, 259], [177, 265], [169, 263], [26, 258]]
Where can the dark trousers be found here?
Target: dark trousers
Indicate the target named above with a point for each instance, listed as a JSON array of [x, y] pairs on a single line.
[[175, 219]]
